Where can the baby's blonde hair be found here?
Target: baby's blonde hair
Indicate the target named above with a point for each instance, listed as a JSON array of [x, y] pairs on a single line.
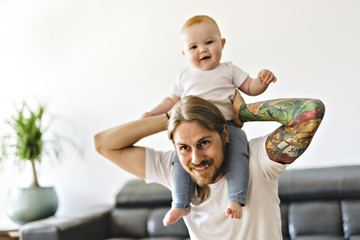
[[199, 19]]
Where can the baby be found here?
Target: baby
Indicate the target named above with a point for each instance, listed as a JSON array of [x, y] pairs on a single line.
[[215, 81]]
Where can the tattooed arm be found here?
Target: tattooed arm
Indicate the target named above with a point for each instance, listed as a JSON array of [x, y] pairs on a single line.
[[300, 118]]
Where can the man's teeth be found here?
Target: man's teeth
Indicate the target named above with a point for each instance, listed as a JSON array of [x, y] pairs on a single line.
[[201, 168]]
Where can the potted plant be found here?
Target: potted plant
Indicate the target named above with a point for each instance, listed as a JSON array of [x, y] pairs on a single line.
[[26, 143]]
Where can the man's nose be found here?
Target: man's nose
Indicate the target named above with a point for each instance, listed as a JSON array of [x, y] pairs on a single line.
[[196, 157]]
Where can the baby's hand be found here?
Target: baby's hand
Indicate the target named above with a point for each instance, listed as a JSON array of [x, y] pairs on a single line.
[[267, 77]]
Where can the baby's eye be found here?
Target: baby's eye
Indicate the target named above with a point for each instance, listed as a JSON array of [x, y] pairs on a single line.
[[209, 42], [193, 47]]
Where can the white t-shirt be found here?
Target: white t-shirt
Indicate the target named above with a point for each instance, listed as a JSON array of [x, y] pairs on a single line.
[[216, 85], [261, 218]]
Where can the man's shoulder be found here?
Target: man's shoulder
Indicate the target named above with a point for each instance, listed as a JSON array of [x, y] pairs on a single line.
[[257, 141], [257, 148], [159, 166], [259, 159], [156, 156]]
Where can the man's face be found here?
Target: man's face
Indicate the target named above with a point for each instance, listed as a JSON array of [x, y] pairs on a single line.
[[200, 151]]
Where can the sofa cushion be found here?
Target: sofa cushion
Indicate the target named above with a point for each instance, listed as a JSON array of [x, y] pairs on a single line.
[[129, 222], [135, 194], [351, 217], [341, 182], [157, 238], [91, 224], [157, 229], [315, 218], [284, 220], [325, 237]]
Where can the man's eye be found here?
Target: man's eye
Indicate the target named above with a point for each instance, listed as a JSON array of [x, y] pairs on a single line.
[[184, 148], [205, 142]]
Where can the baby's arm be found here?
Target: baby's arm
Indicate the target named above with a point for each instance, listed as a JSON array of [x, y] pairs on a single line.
[[163, 107], [256, 86]]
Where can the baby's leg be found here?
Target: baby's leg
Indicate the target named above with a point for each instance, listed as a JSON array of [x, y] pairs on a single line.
[[183, 189], [237, 171]]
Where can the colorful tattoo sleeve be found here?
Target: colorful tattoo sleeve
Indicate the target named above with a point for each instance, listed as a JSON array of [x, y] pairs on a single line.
[[300, 118]]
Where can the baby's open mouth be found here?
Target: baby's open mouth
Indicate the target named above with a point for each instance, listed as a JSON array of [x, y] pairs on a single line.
[[204, 58]]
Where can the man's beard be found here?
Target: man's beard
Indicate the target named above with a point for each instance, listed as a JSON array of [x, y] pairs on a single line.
[[219, 170]]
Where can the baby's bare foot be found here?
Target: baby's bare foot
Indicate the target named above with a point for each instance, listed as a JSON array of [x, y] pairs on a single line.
[[173, 215], [238, 101], [234, 210]]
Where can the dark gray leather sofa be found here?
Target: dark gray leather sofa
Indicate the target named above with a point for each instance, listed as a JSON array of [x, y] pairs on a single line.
[[316, 204]]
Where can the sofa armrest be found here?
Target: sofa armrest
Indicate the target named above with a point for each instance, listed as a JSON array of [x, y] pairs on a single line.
[[86, 225]]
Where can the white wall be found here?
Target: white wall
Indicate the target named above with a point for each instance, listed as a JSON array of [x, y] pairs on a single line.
[[102, 63]]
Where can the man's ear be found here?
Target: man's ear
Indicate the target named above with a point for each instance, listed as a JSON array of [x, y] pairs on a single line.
[[225, 133], [223, 41]]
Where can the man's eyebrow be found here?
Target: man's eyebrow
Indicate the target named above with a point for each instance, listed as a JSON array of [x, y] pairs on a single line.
[[198, 141], [203, 138], [180, 144]]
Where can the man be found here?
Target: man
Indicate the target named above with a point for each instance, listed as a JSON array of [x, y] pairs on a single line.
[[199, 133]]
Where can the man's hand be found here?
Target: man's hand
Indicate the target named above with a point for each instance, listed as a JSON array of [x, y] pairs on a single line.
[[267, 77]]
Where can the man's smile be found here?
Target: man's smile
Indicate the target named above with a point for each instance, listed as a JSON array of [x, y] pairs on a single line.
[[201, 168]]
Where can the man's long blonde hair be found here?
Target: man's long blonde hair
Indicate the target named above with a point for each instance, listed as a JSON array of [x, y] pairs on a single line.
[[204, 113]]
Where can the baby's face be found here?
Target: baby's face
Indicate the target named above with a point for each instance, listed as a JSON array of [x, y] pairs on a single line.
[[203, 45]]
